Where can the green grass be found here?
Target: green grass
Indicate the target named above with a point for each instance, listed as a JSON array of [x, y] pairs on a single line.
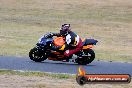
[[39, 74], [23, 22]]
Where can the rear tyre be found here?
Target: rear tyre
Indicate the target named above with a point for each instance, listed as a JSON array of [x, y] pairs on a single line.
[[37, 55], [87, 57]]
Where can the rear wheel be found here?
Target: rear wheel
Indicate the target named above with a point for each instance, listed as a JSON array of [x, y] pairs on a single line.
[[37, 55], [87, 57]]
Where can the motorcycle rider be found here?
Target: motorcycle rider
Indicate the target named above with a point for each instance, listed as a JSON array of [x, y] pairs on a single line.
[[73, 42]]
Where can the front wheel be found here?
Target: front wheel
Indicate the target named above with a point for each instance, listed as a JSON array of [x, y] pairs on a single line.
[[37, 55], [87, 57]]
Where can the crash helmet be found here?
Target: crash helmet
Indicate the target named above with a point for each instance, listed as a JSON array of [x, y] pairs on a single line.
[[65, 28]]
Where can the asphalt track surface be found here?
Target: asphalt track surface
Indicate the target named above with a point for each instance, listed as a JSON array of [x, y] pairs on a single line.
[[96, 67]]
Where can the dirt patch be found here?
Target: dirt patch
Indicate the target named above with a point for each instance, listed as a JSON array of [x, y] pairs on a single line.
[[15, 81]]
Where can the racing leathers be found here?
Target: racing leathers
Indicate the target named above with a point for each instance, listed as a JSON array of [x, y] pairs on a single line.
[[73, 43]]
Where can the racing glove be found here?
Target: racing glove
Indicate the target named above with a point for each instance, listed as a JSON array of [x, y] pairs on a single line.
[[48, 35]]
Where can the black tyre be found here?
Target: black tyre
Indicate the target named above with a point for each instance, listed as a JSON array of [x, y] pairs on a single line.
[[37, 55], [87, 57]]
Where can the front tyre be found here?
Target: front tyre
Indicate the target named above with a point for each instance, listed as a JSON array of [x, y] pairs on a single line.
[[87, 57], [37, 55]]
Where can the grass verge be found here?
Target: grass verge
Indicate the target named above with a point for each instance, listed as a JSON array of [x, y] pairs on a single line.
[[39, 74], [109, 21]]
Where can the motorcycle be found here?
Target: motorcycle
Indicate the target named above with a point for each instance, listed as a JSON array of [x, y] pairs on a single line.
[[43, 50]]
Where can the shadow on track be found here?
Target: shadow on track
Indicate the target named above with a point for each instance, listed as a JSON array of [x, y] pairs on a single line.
[[61, 63]]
